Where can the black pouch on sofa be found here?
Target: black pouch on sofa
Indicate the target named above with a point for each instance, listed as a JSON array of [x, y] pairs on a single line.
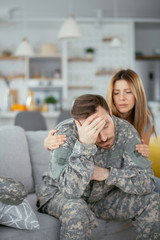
[[11, 191]]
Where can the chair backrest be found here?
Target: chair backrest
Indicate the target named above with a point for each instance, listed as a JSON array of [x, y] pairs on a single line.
[[63, 116], [30, 121]]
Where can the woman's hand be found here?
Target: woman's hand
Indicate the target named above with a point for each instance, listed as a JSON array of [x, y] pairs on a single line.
[[52, 142], [143, 149]]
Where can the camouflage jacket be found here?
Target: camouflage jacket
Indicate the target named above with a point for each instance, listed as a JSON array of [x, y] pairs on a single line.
[[72, 166]]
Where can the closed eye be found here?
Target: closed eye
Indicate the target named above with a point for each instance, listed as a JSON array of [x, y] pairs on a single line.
[[106, 126], [128, 92], [116, 93]]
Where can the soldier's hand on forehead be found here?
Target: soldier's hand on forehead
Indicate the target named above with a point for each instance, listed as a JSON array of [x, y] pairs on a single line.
[[90, 128]]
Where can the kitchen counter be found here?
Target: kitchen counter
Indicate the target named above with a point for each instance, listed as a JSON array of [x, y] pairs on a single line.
[[7, 118]]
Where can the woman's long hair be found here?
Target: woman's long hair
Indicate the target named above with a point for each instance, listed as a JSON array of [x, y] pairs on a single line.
[[140, 114]]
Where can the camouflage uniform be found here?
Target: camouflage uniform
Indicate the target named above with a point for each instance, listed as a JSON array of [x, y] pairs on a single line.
[[69, 194]]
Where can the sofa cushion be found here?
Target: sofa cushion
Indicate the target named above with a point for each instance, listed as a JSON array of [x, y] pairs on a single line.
[[18, 216], [49, 227], [38, 154], [14, 156]]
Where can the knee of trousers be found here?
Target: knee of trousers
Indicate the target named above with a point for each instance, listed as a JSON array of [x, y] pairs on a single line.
[[77, 210], [74, 207], [154, 201], [151, 204]]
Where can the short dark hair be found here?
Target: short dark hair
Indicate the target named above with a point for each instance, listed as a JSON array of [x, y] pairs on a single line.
[[86, 105]]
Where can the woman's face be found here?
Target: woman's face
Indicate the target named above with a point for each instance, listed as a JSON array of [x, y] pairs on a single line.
[[123, 97]]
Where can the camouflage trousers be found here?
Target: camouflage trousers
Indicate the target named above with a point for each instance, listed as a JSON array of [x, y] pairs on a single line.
[[78, 218]]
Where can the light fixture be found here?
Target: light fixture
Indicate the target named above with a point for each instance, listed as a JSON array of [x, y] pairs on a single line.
[[115, 42], [70, 29], [24, 49]]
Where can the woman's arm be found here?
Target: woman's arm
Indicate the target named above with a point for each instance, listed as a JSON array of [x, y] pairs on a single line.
[[52, 142]]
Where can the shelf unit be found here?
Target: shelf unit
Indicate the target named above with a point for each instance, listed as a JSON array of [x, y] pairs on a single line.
[[47, 81], [50, 89], [44, 66]]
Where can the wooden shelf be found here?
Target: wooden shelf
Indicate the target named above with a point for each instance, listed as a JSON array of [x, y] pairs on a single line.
[[148, 57], [80, 87], [31, 57], [56, 55], [80, 59], [107, 39], [11, 58], [12, 77], [100, 73]]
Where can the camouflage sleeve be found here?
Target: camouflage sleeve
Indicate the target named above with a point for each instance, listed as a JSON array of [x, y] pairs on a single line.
[[136, 175], [73, 168]]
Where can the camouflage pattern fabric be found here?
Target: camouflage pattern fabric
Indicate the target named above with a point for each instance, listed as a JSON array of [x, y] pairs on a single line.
[[69, 194], [12, 192]]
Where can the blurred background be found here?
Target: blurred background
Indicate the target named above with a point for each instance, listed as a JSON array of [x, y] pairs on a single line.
[[53, 51]]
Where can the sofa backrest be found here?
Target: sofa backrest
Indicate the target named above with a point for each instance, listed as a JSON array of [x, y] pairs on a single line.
[[14, 156], [38, 154]]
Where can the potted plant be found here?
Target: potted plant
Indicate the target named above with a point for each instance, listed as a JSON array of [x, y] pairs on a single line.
[[89, 52], [50, 101]]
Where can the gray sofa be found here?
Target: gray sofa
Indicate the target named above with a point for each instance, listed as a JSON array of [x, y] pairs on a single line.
[[23, 157]]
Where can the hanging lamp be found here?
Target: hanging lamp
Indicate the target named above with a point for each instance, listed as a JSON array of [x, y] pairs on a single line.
[[24, 49], [116, 42], [69, 29]]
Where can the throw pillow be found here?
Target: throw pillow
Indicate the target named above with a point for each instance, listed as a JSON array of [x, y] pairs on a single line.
[[18, 216], [11, 191]]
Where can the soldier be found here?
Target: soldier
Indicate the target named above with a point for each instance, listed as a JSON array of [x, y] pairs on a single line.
[[98, 172]]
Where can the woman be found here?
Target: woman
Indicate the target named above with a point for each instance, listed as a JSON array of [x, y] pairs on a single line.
[[126, 98]]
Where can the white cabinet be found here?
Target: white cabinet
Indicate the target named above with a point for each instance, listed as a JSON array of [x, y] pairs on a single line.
[[46, 77], [44, 74], [45, 67]]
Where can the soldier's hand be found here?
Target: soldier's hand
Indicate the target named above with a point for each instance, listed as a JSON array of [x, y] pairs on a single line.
[[100, 174], [52, 142], [90, 128]]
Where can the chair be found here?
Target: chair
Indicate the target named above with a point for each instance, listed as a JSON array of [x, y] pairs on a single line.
[[30, 121]]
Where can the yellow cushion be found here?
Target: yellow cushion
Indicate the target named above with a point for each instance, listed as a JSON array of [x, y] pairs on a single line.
[[154, 147]]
